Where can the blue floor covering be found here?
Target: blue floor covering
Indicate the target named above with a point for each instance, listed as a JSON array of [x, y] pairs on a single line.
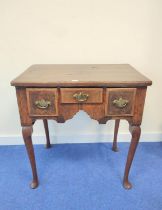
[[81, 177]]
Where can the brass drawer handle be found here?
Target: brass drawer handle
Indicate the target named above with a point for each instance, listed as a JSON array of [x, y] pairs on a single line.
[[81, 97], [120, 103], [42, 104]]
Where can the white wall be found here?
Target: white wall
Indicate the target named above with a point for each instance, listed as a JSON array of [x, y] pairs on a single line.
[[80, 31]]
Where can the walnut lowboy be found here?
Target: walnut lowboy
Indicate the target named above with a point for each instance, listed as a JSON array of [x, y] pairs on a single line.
[[104, 92]]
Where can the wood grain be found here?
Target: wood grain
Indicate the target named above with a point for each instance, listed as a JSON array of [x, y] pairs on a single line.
[[81, 75], [23, 108], [135, 132], [95, 95], [115, 147], [49, 94], [102, 82], [27, 135], [45, 123], [139, 106], [116, 93]]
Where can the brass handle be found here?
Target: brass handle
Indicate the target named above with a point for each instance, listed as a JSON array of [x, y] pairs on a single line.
[[81, 97], [42, 104], [120, 103]]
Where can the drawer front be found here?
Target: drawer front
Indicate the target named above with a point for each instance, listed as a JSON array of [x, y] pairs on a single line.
[[42, 101], [81, 95], [120, 101]]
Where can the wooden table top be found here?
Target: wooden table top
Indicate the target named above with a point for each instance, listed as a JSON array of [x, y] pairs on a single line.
[[70, 75]]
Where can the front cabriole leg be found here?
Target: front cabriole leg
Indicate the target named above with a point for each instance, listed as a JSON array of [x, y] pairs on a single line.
[[135, 131], [27, 135]]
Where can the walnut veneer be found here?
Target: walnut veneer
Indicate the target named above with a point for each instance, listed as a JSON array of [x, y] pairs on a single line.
[[103, 91]]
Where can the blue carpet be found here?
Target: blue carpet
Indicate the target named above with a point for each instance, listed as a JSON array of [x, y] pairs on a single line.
[[81, 177]]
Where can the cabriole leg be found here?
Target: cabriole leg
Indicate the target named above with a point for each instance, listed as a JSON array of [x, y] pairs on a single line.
[[135, 132], [48, 144], [114, 147], [27, 135]]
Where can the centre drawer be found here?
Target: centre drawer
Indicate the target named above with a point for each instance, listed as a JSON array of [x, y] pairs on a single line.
[[81, 95]]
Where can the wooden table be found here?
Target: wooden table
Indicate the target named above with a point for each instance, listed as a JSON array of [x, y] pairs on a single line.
[[104, 92]]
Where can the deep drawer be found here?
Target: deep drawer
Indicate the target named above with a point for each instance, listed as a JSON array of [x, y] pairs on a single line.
[[120, 101], [42, 101]]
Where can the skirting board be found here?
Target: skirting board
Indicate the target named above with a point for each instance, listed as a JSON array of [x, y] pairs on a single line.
[[89, 138]]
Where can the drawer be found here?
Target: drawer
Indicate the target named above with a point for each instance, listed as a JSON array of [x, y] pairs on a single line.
[[120, 101], [81, 95], [42, 101]]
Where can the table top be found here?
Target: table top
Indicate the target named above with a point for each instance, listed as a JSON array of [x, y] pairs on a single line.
[[79, 75]]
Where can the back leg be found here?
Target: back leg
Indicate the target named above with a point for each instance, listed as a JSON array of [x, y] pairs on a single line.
[[114, 147], [48, 144]]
